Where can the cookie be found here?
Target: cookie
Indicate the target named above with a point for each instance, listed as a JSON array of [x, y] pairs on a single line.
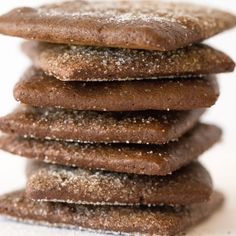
[[126, 158], [154, 127], [38, 89], [47, 182], [77, 63], [159, 220], [127, 24]]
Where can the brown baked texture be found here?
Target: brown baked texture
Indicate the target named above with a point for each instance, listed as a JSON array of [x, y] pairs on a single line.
[[38, 89], [77, 63], [126, 158], [154, 127], [159, 220], [152, 25], [190, 184]]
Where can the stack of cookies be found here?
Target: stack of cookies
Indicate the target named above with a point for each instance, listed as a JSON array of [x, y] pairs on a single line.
[[110, 115]]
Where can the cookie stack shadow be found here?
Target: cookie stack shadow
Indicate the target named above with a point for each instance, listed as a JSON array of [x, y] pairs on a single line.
[[114, 134]]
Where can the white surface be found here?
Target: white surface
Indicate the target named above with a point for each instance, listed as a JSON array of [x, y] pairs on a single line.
[[221, 160]]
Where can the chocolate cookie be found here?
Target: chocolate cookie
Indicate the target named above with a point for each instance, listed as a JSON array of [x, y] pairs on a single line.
[[127, 158], [159, 220], [76, 63], [38, 89], [151, 25], [190, 184], [154, 127]]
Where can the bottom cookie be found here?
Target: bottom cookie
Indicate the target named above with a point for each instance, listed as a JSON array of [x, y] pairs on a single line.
[[162, 220]]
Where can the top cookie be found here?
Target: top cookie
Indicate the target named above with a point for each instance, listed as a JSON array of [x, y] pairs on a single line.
[[151, 25]]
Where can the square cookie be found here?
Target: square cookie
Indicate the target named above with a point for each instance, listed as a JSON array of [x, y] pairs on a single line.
[[124, 158], [37, 89], [152, 25], [190, 184], [160, 220], [155, 127], [78, 63]]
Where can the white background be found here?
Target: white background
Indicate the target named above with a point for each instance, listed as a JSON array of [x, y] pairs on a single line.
[[221, 160]]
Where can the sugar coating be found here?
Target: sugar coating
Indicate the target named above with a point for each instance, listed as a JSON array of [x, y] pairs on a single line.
[[129, 24], [159, 220], [202, 18], [50, 182], [71, 62], [152, 25], [126, 158], [92, 126], [67, 226]]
